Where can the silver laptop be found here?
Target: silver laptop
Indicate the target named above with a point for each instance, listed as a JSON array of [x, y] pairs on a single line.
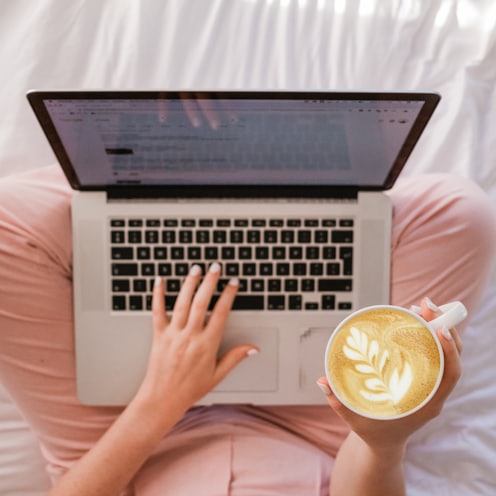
[[284, 189]]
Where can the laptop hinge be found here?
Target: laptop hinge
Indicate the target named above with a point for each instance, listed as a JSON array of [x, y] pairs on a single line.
[[232, 192]]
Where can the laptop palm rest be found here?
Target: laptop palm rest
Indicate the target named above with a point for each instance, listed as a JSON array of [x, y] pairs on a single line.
[[255, 373]]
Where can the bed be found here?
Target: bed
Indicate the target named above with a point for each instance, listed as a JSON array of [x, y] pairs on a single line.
[[443, 45]]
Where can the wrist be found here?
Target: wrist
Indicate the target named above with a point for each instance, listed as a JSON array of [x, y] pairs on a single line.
[[156, 417], [385, 454]]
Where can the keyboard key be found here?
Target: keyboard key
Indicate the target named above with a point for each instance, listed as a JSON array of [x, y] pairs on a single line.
[[147, 269], [117, 223], [249, 269], [173, 285], [135, 302], [211, 253], [203, 237], [134, 237], [253, 236], [270, 236], [228, 253], [328, 302], [304, 236], [291, 285], [177, 253], [333, 285], [310, 305], [261, 253], [181, 269], [151, 237], [117, 237], [135, 222], [287, 236], [120, 285], [245, 253], [279, 253], [168, 237], [118, 303], [188, 222], [346, 255], [139, 286], [122, 253], [295, 302], [257, 285], [194, 253], [342, 236], [160, 253], [185, 237], [248, 302], [143, 253], [124, 269], [164, 269], [321, 236], [276, 302]]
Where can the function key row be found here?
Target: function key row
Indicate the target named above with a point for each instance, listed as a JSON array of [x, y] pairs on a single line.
[[238, 222]]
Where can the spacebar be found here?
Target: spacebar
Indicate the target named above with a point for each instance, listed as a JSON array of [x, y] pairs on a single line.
[[248, 302]]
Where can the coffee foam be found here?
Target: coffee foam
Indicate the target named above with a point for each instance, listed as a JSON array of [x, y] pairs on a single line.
[[384, 362]]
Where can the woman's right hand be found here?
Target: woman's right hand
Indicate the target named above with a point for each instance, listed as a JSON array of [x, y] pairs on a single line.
[[183, 364]]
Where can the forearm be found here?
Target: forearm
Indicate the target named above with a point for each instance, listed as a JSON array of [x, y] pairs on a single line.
[[114, 460], [361, 471]]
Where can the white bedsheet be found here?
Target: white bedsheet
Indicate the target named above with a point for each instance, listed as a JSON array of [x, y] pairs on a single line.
[[443, 45]]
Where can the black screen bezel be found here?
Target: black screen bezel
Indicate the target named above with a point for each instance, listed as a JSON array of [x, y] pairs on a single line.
[[36, 99]]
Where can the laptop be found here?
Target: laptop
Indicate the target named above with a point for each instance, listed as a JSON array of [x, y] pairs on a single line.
[[284, 189]]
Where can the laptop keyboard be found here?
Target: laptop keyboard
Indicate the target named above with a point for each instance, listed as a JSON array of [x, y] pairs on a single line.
[[282, 264]]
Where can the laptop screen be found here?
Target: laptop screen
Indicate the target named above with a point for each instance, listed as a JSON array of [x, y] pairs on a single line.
[[229, 139]]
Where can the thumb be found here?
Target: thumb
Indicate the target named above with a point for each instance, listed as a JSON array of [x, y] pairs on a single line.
[[232, 358]]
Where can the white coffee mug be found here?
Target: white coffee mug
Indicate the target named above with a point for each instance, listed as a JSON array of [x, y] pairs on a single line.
[[385, 361]]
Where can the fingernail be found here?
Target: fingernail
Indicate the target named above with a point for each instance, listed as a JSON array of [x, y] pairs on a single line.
[[252, 351], [157, 282], [324, 388], [430, 305], [195, 270], [234, 281], [416, 309], [215, 267], [446, 333]]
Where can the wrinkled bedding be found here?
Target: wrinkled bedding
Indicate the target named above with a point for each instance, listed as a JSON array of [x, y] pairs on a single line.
[[443, 45]]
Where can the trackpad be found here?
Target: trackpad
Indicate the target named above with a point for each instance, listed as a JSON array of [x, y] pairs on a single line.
[[255, 373]]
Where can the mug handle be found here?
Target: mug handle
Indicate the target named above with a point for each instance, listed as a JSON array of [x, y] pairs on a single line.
[[452, 314]]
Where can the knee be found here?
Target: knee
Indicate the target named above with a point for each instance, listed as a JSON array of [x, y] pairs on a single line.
[[465, 208]]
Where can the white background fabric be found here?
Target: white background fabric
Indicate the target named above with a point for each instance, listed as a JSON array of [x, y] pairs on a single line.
[[443, 45]]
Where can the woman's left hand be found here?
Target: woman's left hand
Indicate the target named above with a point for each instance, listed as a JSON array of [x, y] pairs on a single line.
[[381, 434]]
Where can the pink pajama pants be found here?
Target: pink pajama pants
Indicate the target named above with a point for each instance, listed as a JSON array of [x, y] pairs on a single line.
[[444, 235]]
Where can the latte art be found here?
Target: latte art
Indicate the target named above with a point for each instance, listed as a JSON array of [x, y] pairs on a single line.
[[384, 362]]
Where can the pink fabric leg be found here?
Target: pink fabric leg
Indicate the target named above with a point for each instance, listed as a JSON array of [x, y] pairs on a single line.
[[36, 338], [443, 244]]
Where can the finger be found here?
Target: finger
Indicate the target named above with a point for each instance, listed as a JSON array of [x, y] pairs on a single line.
[[220, 313], [183, 302], [333, 401], [452, 363], [429, 309], [202, 298], [208, 110], [191, 108], [231, 359], [457, 339], [159, 319], [162, 107]]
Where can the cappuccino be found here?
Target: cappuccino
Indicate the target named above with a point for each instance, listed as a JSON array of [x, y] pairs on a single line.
[[384, 362]]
